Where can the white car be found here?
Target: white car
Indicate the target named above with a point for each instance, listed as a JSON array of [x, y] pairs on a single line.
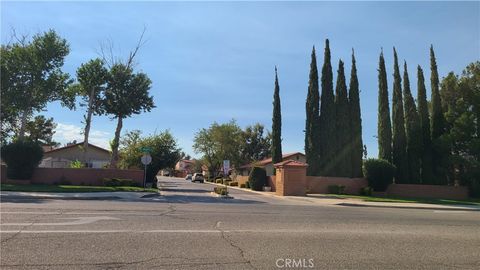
[[197, 177]]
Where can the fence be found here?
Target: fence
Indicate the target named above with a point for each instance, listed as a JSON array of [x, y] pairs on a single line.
[[82, 176]]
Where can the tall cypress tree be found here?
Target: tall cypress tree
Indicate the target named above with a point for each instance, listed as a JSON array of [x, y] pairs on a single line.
[[413, 131], [356, 149], [312, 123], [327, 127], [384, 128], [438, 124], [424, 117], [342, 118], [276, 124], [399, 140]]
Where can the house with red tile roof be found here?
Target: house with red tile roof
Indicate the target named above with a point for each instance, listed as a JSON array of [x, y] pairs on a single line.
[[268, 164]]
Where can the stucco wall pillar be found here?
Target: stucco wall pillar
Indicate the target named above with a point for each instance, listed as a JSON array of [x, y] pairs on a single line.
[[291, 178]]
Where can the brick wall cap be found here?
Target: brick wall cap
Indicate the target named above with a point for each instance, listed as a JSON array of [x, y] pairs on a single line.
[[290, 163]]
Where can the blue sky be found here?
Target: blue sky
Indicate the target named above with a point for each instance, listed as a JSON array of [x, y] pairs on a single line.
[[214, 61]]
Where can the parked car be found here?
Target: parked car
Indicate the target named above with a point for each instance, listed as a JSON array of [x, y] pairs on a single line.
[[197, 177], [188, 177]]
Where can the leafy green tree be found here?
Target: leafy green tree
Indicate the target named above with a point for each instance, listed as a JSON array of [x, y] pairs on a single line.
[[463, 119], [255, 144], [32, 77], [126, 94], [384, 124], [92, 78], [21, 157], [327, 124], [312, 131], [413, 131], [399, 139], [41, 130], [164, 151], [257, 178], [276, 124], [356, 150], [217, 143], [424, 117], [439, 147], [343, 138]]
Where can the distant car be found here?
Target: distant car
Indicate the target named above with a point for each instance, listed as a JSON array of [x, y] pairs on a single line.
[[197, 177], [188, 177]]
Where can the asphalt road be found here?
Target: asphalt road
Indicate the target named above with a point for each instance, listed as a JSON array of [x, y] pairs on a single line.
[[187, 228]]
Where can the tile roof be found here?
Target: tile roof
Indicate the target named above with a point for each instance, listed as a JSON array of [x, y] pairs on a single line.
[[75, 145], [269, 160], [291, 163]]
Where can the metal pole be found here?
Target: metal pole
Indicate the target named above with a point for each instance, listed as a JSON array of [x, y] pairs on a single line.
[[144, 176]]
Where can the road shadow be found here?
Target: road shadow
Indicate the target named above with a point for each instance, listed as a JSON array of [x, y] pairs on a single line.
[[184, 190], [22, 200], [186, 199]]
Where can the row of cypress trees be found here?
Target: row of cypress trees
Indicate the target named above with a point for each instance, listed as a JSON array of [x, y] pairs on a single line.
[[333, 129], [410, 141]]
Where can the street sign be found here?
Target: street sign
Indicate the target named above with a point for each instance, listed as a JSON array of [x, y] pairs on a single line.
[[145, 149], [226, 167], [146, 159]]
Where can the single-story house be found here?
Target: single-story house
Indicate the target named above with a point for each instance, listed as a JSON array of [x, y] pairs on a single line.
[[268, 164], [96, 157]]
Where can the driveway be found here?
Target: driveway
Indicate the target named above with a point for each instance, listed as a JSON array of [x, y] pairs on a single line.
[[175, 189]]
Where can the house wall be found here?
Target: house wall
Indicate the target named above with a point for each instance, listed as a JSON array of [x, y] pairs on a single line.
[[83, 176], [271, 182], [241, 179], [62, 158]]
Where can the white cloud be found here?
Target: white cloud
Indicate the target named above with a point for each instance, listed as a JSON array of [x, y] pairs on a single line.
[[67, 132]]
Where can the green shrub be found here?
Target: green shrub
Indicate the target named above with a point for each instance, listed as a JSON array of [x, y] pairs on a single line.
[[247, 184], [366, 191], [336, 189], [116, 182], [22, 157], [257, 178], [234, 184], [77, 164], [243, 186], [220, 190], [226, 182], [379, 173], [474, 188], [219, 181]]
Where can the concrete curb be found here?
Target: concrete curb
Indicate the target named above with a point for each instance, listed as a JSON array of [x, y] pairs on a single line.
[[411, 207], [443, 207]]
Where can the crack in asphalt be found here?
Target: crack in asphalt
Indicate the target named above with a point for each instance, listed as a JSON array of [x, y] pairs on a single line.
[[232, 244], [116, 265], [35, 219]]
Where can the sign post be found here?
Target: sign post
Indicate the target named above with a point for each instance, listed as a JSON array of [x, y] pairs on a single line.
[[146, 159], [226, 169]]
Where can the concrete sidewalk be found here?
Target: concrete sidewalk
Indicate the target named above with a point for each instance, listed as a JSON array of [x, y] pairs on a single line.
[[76, 196], [325, 199]]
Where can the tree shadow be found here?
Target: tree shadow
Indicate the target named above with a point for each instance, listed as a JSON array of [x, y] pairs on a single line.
[[186, 199]]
